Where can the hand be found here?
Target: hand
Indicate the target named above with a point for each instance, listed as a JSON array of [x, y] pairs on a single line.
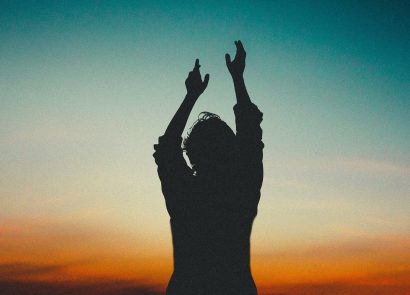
[[237, 66], [194, 84]]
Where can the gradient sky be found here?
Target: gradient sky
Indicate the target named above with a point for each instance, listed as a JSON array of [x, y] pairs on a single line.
[[87, 87]]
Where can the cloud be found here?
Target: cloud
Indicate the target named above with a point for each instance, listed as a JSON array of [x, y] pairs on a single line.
[[13, 270], [399, 276], [370, 261], [110, 287], [44, 279], [13, 281], [347, 164], [39, 250], [374, 166], [71, 260], [336, 289], [11, 287], [45, 132]]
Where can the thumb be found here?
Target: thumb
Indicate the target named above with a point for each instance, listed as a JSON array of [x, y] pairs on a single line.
[[228, 59]]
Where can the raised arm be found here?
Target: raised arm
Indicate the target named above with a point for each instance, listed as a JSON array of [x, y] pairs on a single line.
[[236, 68], [195, 87], [248, 119], [173, 170]]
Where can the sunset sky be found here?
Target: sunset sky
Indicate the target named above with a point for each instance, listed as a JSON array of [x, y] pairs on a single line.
[[86, 88]]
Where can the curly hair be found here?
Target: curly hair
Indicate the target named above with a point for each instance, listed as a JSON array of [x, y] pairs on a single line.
[[210, 140]]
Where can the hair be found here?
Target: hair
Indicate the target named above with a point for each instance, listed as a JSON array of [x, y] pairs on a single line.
[[210, 142]]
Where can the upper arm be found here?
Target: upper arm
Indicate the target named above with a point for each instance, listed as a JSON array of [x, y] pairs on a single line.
[[249, 139], [173, 171]]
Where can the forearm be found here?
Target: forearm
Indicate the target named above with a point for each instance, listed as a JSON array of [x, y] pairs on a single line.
[[178, 122], [242, 96]]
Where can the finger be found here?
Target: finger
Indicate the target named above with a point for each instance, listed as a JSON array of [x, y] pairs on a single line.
[[240, 45], [236, 44], [196, 67], [206, 80], [228, 59]]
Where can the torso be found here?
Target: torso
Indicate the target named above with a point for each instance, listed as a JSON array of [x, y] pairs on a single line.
[[211, 230]]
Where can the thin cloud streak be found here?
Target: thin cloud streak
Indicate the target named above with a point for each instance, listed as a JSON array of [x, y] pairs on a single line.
[[368, 260], [347, 164], [12, 287], [15, 270], [336, 289]]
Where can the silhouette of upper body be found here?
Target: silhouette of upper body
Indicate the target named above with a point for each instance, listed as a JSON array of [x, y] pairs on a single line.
[[213, 204]]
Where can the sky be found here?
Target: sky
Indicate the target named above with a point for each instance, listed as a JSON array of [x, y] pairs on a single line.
[[87, 87]]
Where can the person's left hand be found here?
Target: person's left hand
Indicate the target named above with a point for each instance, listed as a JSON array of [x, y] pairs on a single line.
[[237, 66], [194, 84]]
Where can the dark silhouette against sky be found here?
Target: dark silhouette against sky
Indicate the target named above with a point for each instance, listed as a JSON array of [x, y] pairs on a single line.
[[213, 204]]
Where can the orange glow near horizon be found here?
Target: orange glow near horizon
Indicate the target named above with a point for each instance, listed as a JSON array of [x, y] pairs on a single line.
[[46, 252], [52, 252]]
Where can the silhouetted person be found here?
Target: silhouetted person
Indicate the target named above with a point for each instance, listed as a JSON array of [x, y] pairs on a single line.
[[212, 206]]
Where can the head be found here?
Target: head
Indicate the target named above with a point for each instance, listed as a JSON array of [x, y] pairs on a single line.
[[210, 143]]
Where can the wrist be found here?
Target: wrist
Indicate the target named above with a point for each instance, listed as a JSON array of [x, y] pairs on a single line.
[[191, 96], [238, 79]]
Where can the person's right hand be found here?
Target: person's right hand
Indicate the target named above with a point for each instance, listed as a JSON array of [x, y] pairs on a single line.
[[237, 66], [194, 84]]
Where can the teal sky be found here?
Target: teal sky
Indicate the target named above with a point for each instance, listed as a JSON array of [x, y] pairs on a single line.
[[87, 87]]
